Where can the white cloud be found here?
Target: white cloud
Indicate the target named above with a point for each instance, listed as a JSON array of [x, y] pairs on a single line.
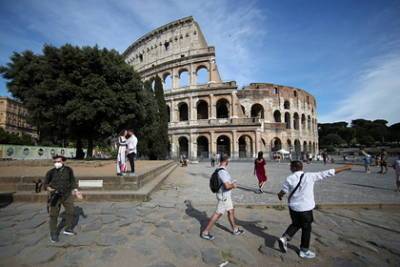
[[376, 93]]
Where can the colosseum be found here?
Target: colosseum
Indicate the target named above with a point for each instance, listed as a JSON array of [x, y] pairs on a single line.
[[209, 116]]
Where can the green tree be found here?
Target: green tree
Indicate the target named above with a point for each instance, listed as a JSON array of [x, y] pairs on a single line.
[[77, 94], [162, 137], [332, 139]]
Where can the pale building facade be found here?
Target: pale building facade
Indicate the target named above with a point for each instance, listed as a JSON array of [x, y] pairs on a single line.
[[209, 116], [13, 118]]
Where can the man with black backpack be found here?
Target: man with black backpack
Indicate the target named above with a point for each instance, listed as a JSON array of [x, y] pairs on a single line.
[[300, 187], [221, 183]]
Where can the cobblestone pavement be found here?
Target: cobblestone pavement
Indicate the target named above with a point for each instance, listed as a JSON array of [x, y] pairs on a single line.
[[353, 186], [165, 231]]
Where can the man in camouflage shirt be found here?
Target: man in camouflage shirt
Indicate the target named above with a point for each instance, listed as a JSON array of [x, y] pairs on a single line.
[[61, 184]]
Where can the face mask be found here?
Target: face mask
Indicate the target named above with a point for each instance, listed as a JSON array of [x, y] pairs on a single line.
[[58, 165]]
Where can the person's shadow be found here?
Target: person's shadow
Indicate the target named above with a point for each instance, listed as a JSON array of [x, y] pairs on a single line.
[[78, 212]]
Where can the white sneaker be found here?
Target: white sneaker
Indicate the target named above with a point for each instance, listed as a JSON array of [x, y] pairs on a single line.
[[283, 244], [307, 254]]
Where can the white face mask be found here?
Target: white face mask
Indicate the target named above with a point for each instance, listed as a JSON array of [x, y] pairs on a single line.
[[58, 165]]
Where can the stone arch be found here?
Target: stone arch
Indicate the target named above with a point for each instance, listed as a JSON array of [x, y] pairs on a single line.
[[183, 142], [202, 147], [202, 110], [287, 120], [245, 146], [222, 107], [297, 147], [257, 111], [289, 145], [296, 121], [303, 121], [183, 111], [276, 144], [310, 147], [184, 78], [305, 147], [277, 116], [202, 74], [167, 81], [286, 104], [309, 122], [223, 145]]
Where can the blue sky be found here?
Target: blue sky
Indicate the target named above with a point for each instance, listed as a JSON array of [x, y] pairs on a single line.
[[346, 53]]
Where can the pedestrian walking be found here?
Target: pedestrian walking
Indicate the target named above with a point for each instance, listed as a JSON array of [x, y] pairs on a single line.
[[60, 183], [383, 161], [121, 157], [396, 167], [300, 187], [324, 156], [131, 144], [213, 160], [259, 170], [224, 200], [366, 160]]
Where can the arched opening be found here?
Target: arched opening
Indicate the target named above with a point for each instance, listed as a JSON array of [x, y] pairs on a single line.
[[222, 108], [202, 75], [289, 145], [183, 111], [286, 104], [257, 111], [303, 122], [167, 78], [314, 151], [297, 148], [276, 144], [184, 78], [224, 145], [202, 110], [277, 116], [287, 120], [309, 122], [183, 146], [245, 147], [296, 121], [169, 114], [305, 150], [310, 147], [202, 147]]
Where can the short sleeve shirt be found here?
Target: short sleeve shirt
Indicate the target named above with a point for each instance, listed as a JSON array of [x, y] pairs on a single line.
[[225, 177]]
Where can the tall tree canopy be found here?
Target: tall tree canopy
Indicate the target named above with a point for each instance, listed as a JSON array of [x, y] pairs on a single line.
[[79, 93]]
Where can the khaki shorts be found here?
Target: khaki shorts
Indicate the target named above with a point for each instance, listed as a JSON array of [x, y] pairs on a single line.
[[224, 205]]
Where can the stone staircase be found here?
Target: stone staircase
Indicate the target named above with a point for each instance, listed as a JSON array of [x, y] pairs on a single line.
[[114, 188]]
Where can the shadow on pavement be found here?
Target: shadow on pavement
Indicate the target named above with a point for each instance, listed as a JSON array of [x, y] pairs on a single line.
[[78, 212], [370, 186], [6, 199]]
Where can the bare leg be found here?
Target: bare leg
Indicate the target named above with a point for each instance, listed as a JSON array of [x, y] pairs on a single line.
[[214, 218], [231, 218]]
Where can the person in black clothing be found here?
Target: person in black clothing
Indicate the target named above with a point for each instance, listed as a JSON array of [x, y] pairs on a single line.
[[61, 184]]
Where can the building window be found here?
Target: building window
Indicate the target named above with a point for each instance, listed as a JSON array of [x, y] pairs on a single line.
[[166, 45], [141, 58]]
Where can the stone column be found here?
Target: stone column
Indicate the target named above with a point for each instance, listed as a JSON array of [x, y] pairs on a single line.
[[191, 110], [213, 111], [234, 106], [174, 147], [193, 147], [175, 79], [257, 143], [234, 145], [173, 109], [213, 143], [192, 77]]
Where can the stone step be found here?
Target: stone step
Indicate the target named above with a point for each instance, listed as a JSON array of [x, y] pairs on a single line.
[[143, 194]]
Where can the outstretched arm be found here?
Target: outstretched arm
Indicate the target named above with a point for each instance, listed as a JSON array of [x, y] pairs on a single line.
[[344, 168]]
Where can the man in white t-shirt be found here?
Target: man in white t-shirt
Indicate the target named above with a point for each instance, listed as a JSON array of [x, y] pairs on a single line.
[[131, 144], [300, 187], [224, 201]]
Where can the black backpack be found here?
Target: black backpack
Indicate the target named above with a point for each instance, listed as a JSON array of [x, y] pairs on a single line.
[[215, 182]]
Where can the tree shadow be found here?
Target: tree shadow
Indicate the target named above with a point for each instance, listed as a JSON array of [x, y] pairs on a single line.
[[78, 212]]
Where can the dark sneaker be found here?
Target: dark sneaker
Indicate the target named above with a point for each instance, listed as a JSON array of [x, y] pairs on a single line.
[[54, 238], [69, 232], [238, 232], [283, 244], [207, 236]]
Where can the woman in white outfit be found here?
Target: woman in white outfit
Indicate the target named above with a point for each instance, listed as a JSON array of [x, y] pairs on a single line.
[[121, 157]]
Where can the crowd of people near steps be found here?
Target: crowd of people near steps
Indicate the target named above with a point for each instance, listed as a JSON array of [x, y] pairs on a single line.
[[62, 188]]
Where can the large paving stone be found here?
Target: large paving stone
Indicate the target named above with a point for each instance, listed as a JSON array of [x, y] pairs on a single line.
[[108, 254], [269, 252], [7, 237], [243, 256], [35, 256], [76, 257], [93, 226], [180, 247], [162, 264], [112, 240], [32, 223], [106, 219], [137, 230], [147, 247], [82, 239], [211, 256]]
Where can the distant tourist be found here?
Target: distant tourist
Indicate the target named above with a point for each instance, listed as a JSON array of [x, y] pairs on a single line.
[[366, 160], [224, 200], [300, 187], [324, 156], [396, 167], [217, 158], [183, 160], [121, 157], [259, 171], [131, 143], [61, 184], [213, 160], [383, 161]]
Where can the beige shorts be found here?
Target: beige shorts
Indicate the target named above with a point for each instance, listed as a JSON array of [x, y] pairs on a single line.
[[224, 205]]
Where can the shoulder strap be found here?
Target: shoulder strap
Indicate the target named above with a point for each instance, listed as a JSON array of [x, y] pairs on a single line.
[[297, 186]]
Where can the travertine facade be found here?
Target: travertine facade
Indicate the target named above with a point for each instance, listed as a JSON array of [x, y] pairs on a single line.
[[12, 118], [210, 116]]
